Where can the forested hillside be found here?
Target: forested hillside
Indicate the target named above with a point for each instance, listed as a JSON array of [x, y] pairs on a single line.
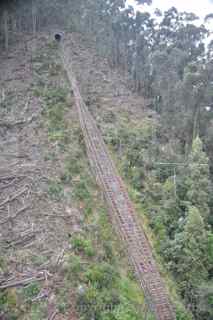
[[156, 116]]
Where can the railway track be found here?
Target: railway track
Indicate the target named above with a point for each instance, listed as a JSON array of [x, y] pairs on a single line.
[[121, 210]]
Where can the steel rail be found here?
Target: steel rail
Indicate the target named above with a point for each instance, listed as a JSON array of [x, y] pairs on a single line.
[[121, 210]]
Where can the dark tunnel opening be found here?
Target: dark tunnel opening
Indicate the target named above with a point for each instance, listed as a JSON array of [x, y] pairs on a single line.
[[58, 37]]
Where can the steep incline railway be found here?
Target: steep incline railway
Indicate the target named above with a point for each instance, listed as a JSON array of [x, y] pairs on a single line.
[[122, 213]]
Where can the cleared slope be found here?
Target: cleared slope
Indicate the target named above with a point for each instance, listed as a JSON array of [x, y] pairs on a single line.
[[63, 230]]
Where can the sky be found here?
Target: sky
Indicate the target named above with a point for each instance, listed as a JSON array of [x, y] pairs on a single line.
[[199, 7]]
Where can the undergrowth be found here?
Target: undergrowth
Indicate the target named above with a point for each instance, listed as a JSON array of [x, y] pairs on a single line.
[[134, 149]]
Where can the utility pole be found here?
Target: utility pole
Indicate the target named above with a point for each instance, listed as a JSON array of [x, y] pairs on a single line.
[[34, 18], [175, 185], [175, 165], [6, 31]]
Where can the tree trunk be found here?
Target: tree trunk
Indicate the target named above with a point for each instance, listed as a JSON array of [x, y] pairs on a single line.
[[14, 24], [196, 123], [6, 29], [34, 17]]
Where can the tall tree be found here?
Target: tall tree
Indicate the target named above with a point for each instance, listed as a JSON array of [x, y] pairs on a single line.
[[187, 256], [198, 179]]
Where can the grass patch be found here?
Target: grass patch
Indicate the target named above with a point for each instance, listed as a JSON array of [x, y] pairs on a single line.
[[104, 288], [38, 311], [55, 190]]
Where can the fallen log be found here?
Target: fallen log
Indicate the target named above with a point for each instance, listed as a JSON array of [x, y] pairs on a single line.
[[41, 276], [22, 282]]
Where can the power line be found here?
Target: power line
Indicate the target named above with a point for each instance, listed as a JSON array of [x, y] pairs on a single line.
[[180, 164], [175, 164]]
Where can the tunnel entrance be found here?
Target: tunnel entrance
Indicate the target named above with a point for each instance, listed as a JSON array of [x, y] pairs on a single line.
[[58, 37]]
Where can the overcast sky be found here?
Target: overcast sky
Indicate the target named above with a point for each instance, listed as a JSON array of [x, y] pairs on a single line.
[[200, 7]]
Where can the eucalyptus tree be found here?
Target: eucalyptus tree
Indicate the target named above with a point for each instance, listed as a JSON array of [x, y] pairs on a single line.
[[5, 17], [197, 179], [188, 259]]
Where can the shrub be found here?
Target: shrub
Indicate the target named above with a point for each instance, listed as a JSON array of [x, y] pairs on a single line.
[[126, 311], [131, 291], [74, 268], [81, 245], [38, 311], [55, 95], [101, 275], [87, 304], [97, 305], [3, 264], [81, 190], [8, 304], [73, 166], [182, 314], [55, 190], [31, 290]]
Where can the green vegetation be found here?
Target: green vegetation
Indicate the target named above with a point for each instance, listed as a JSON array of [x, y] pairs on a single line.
[[38, 311], [8, 302], [81, 245], [102, 292], [31, 291], [92, 267], [56, 191], [177, 210], [54, 111]]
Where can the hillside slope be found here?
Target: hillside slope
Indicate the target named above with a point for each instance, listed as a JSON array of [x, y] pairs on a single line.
[[55, 238], [107, 91]]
